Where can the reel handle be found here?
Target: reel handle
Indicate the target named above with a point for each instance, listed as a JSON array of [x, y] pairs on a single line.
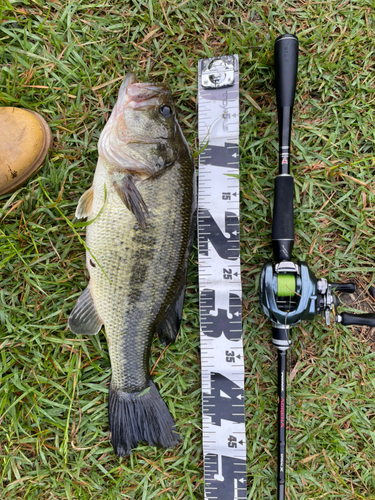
[[358, 319]]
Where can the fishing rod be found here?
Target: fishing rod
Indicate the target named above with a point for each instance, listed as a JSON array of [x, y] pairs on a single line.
[[289, 291]]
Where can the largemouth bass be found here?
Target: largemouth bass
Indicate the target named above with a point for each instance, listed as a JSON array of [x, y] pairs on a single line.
[[142, 204]]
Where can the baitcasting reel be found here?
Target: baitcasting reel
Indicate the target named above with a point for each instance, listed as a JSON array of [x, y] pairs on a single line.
[[290, 293]]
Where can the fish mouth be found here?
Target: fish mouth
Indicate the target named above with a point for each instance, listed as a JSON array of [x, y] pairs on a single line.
[[135, 93], [129, 79], [140, 92]]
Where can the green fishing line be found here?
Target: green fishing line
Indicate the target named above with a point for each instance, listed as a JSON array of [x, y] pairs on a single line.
[[286, 285]]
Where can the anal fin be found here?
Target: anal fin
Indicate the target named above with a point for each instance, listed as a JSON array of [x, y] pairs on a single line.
[[132, 199], [84, 206], [168, 329], [84, 319]]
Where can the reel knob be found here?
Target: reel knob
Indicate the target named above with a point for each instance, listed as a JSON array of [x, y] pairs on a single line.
[[344, 287], [347, 319]]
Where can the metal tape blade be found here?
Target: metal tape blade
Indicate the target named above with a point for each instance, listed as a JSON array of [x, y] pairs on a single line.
[[224, 439]]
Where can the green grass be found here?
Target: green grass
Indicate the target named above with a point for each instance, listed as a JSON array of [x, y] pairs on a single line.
[[65, 60]]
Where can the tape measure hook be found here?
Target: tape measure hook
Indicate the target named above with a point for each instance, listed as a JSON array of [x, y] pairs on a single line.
[[218, 72]]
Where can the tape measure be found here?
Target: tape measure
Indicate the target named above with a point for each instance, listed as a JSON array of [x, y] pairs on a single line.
[[222, 360]]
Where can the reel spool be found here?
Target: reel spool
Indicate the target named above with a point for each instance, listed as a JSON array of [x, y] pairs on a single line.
[[286, 285]]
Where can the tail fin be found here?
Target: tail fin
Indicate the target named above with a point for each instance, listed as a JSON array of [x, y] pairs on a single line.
[[141, 416]]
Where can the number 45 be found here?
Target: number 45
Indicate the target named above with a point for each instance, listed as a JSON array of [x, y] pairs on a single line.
[[232, 442]]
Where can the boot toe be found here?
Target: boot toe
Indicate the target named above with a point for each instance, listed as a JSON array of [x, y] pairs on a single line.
[[25, 139]]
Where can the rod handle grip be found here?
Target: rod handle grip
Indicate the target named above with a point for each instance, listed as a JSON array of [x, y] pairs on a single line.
[[283, 218], [286, 63]]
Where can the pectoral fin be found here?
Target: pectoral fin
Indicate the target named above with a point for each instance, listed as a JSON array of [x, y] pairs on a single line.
[[84, 319], [132, 199], [84, 206]]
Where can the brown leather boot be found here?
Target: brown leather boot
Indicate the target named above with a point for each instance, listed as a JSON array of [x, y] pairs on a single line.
[[25, 139]]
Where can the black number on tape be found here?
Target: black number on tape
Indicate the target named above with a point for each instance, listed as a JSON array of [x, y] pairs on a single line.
[[230, 357], [227, 248], [220, 156], [227, 274], [228, 397], [218, 323], [225, 478]]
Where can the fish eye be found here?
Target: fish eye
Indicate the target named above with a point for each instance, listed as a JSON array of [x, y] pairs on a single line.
[[166, 111]]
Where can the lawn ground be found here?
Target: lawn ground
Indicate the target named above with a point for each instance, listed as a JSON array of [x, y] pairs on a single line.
[[66, 61]]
